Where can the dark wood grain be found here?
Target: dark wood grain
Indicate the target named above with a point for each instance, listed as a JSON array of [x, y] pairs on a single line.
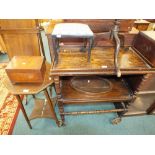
[[102, 62], [142, 83], [26, 69], [118, 92], [145, 46], [31, 88]]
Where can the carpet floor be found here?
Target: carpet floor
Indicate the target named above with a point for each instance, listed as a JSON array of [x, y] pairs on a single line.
[[9, 106], [86, 124]]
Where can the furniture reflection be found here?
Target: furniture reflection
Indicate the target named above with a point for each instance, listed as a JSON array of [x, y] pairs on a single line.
[[42, 108], [137, 66]]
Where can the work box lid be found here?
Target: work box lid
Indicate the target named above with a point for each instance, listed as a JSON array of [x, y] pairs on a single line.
[[26, 63]]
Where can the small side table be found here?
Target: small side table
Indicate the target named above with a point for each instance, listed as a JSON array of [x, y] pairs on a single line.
[[72, 30], [32, 89]]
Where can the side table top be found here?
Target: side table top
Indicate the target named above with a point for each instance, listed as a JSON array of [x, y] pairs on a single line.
[[25, 89]]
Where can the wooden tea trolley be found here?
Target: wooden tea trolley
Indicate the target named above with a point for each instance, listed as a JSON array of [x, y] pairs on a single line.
[[132, 91]]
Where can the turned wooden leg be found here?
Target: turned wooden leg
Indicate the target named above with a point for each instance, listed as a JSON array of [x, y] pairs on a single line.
[[61, 110], [51, 106], [58, 92], [23, 110]]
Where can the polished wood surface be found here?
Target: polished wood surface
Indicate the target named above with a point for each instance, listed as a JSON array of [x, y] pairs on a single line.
[[118, 92], [102, 62], [21, 37], [21, 44], [142, 83], [42, 109], [28, 89], [26, 69], [25, 63], [145, 46]]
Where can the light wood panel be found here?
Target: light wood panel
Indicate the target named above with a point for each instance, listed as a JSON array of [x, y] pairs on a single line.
[[22, 44], [21, 37]]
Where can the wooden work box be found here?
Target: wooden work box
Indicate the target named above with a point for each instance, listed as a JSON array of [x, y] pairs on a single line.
[[26, 69]]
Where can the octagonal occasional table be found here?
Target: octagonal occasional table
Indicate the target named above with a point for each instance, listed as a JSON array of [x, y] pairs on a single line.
[[32, 89]]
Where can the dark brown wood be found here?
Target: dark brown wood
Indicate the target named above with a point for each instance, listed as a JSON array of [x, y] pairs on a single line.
[[91, 85], [102, 62], [142, 83], [127, 39], [23, 110], [59, 93], [145, 46], [92, 112], [101, 29], [136, 66], [26, 69], [118, 92], [61, 111], [103, 25]]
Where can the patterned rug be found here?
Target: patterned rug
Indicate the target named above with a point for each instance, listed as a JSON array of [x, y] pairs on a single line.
[[9, 107]]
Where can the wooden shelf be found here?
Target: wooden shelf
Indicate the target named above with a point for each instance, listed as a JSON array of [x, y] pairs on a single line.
[[72, 62], [140, 105], [119, 92]]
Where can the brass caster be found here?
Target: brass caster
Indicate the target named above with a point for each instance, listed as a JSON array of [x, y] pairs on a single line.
[[61, 123], [116, 121]]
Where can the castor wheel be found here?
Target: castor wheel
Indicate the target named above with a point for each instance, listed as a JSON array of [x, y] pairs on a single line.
[[116, 121], [61, 123]]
